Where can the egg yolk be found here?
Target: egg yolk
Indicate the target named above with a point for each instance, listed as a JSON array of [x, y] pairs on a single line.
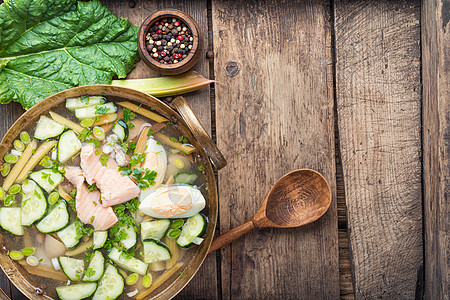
[[172, 203]]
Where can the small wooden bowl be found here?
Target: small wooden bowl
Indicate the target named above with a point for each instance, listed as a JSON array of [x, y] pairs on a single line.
[[179, 67]]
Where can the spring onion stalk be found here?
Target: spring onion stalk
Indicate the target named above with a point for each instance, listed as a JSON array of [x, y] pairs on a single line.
[[166, 86]]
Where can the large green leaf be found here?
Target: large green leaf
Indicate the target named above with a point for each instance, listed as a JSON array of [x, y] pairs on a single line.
[[47, 46]]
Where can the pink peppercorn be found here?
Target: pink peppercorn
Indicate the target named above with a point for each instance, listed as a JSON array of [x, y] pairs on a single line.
[[180, 38], [176, 23], [163, 53]]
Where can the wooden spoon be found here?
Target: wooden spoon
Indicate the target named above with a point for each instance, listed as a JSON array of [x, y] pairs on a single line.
[[298, 198]]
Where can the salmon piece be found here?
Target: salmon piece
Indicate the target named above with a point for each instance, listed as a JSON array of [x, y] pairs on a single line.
[[115, 188], [88, 207]]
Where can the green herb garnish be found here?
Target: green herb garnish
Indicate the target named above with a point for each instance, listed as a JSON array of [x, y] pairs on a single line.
[[101, 110], [104, 159]]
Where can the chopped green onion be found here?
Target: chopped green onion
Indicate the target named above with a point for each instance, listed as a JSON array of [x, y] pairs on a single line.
[[147, 280], [32, 261], [178, 223], [19, 145], [179, 163], [98, 133], [10, 158], [5, 170], [16, 255], [2, 193], [132, 279], [27, 251], [25, 137], [10, 200], [173, 233], [87, 122], [53, 197], [15, 189]]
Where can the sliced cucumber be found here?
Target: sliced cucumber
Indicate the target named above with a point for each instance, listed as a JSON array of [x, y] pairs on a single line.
[[96, 267], [121, 130], [100, 238], [47, 179], [69, 235], [110, 286], [154, 229], [76, 291], [131, 264], [186, 178], [130, 241], [47, 128], [56, 220], [155, 251], [83, 101], [10, 220], [34, 205], [72, 267], [95, 111], [195, 227], [68, 146]]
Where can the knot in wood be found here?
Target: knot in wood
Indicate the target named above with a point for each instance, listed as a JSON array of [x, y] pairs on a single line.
[[232, 68]]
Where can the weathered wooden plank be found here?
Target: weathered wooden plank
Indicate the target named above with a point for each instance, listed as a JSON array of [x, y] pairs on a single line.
[[274, 113], [436, 145], [378, 98], [204, 284]]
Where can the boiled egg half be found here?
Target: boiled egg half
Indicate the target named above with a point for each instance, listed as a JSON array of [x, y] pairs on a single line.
[[172, 201], [155, 159]]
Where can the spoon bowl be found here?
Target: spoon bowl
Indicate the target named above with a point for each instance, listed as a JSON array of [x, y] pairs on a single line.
[[298, 198]]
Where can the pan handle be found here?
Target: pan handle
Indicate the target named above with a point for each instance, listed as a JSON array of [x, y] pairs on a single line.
[[216, 157]]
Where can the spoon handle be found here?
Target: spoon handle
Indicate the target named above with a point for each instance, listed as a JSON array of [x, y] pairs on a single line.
[[231, 235]]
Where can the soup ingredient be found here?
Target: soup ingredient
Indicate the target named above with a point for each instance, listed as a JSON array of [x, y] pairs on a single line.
[[53, 247], [25, 137], [96, 267], [5, 169], [69, 235], [53, 198], [127, 236], [115, 188], [59, 36], [10, 220], [57, 219], [131, 264], [172, 201], [34, 204], [35, 159], [47, 128], [100, 238], [147, 280], [11, 178], [186, 178], [173, 233], [10, 200], [87, 122], [178, 223], [167, 85], [121, 130], [19, 145], [155, 251], [95, 111], [72, 267], [155, 229], [132, 278], [48, 179], [72, 125], [98, 133], [155, 159], [16, 255], [195, 227], [105, 120], [88, 207], [32, 261], [143, 112], [84, 101], [110, 285], [2, 194], [10, 158], [15, 189], [44, 271], [175, 251], [76, 291], [188, 149], [68, 146], [162, 278]]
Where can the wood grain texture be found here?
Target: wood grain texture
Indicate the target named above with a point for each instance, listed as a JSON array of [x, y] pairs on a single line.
[[204, 284], [436, 147], [274, 113], [378, 97]]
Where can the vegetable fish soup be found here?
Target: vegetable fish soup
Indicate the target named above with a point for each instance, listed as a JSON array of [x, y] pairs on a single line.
[[102, 199]]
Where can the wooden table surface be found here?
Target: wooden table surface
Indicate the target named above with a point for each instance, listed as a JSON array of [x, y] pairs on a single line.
[[356, 89]]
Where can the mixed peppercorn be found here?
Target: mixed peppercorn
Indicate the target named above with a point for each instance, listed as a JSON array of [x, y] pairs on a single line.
[[169, 41]]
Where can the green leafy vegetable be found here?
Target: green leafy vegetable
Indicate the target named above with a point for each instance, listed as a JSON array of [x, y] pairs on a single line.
[[49, 46]]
